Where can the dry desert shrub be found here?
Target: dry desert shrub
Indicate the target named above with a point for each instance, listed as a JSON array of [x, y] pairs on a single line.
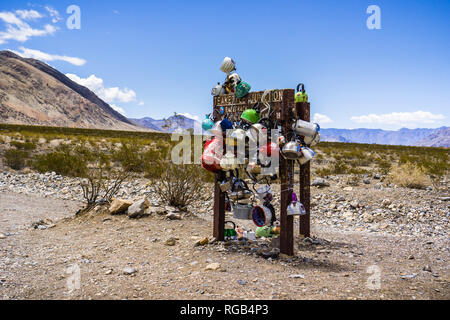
[[410, 176], [16, 159], [180, 185]]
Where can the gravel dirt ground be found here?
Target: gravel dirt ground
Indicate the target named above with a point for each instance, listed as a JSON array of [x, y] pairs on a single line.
[[122, 258]]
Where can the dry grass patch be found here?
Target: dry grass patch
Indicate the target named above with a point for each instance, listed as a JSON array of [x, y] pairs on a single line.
[[410, 176]]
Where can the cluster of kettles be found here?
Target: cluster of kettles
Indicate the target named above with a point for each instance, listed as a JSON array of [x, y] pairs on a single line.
[[253, 160]]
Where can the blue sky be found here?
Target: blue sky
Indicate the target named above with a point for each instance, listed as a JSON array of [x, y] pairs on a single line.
[[153, 58]]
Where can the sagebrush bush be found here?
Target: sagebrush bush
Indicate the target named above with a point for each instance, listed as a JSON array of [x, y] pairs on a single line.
[[16, 159], [180, 185], [384, 166], [154, 169], [63, 163], [323, 172], [130, 157], [409, 175], [23, 145]]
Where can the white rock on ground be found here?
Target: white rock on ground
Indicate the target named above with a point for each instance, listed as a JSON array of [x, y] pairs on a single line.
[[137, 209]]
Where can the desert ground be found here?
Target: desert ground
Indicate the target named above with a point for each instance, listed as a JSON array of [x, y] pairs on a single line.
[[379, 219], [368, 242]]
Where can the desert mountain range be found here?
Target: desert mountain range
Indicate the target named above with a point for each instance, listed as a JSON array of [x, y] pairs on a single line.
[[34, 93]]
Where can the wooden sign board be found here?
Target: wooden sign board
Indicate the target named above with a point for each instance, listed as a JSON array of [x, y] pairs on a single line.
[[285, 110], [235, 106]]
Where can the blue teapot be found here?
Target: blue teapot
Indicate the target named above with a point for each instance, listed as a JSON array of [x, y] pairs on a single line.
[[207, 123]]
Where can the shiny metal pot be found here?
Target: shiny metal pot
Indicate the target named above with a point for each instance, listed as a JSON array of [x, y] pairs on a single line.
[[291, 150], [312, 141], [307, 155], [305, 128], [254, 132], [229, 162]]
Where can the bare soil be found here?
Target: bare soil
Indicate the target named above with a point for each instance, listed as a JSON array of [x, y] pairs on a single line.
[[34, 263]]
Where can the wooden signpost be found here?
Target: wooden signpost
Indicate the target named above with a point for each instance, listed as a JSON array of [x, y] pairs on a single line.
[[286, 110]]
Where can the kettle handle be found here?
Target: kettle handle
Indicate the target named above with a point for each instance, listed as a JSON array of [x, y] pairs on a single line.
[[234, 224], [259, 181], [245, 185], [257, 107], [251, 176], [294, 198], [253, 187], [214, 115], [303, 87]]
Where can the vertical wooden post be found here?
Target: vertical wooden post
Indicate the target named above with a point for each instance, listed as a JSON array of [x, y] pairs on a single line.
[[303, 112], [219, 209], [286, 168]]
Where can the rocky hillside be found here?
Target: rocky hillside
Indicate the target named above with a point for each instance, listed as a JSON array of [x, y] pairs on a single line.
[[32, 92], [439, 138], [407, 137], [174, 123]]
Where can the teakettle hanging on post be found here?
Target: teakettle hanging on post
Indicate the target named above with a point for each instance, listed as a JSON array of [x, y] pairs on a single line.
[[301, 95], [228, 65], [226, 124], [242, 89], [211, 160], [234, 79], [250, 116], [207, 123], [307, 155], [312, 141], [218, 90], [292, 150], [255, 130], [295, 208], [261, 216], [236, 137], [229, 162], [305, 128]]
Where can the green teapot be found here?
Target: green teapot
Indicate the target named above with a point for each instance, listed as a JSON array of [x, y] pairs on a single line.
[[230, 234], [250, 116], [263, 232], [241, 89], [301, 95]]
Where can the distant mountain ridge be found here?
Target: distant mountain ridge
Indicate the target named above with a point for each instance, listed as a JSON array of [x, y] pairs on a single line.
[[175, 123], [439, 137], [32, 92]]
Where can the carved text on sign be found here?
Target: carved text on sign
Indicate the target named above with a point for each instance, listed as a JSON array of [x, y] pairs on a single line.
[[233, 107], [251, 98]]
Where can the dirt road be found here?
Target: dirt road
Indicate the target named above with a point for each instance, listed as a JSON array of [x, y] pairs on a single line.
[[38, 264]]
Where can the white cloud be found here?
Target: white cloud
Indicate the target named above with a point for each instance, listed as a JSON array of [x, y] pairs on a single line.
[[39, 55], [400, 118], [28, 14], [17, 29], [118, 109], [54, 14], [321, 119], [110, 95], [141, 103]]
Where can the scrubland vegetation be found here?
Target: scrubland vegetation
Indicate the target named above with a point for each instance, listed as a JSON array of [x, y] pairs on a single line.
[[413, 167], [80, 152], [105, 159]]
